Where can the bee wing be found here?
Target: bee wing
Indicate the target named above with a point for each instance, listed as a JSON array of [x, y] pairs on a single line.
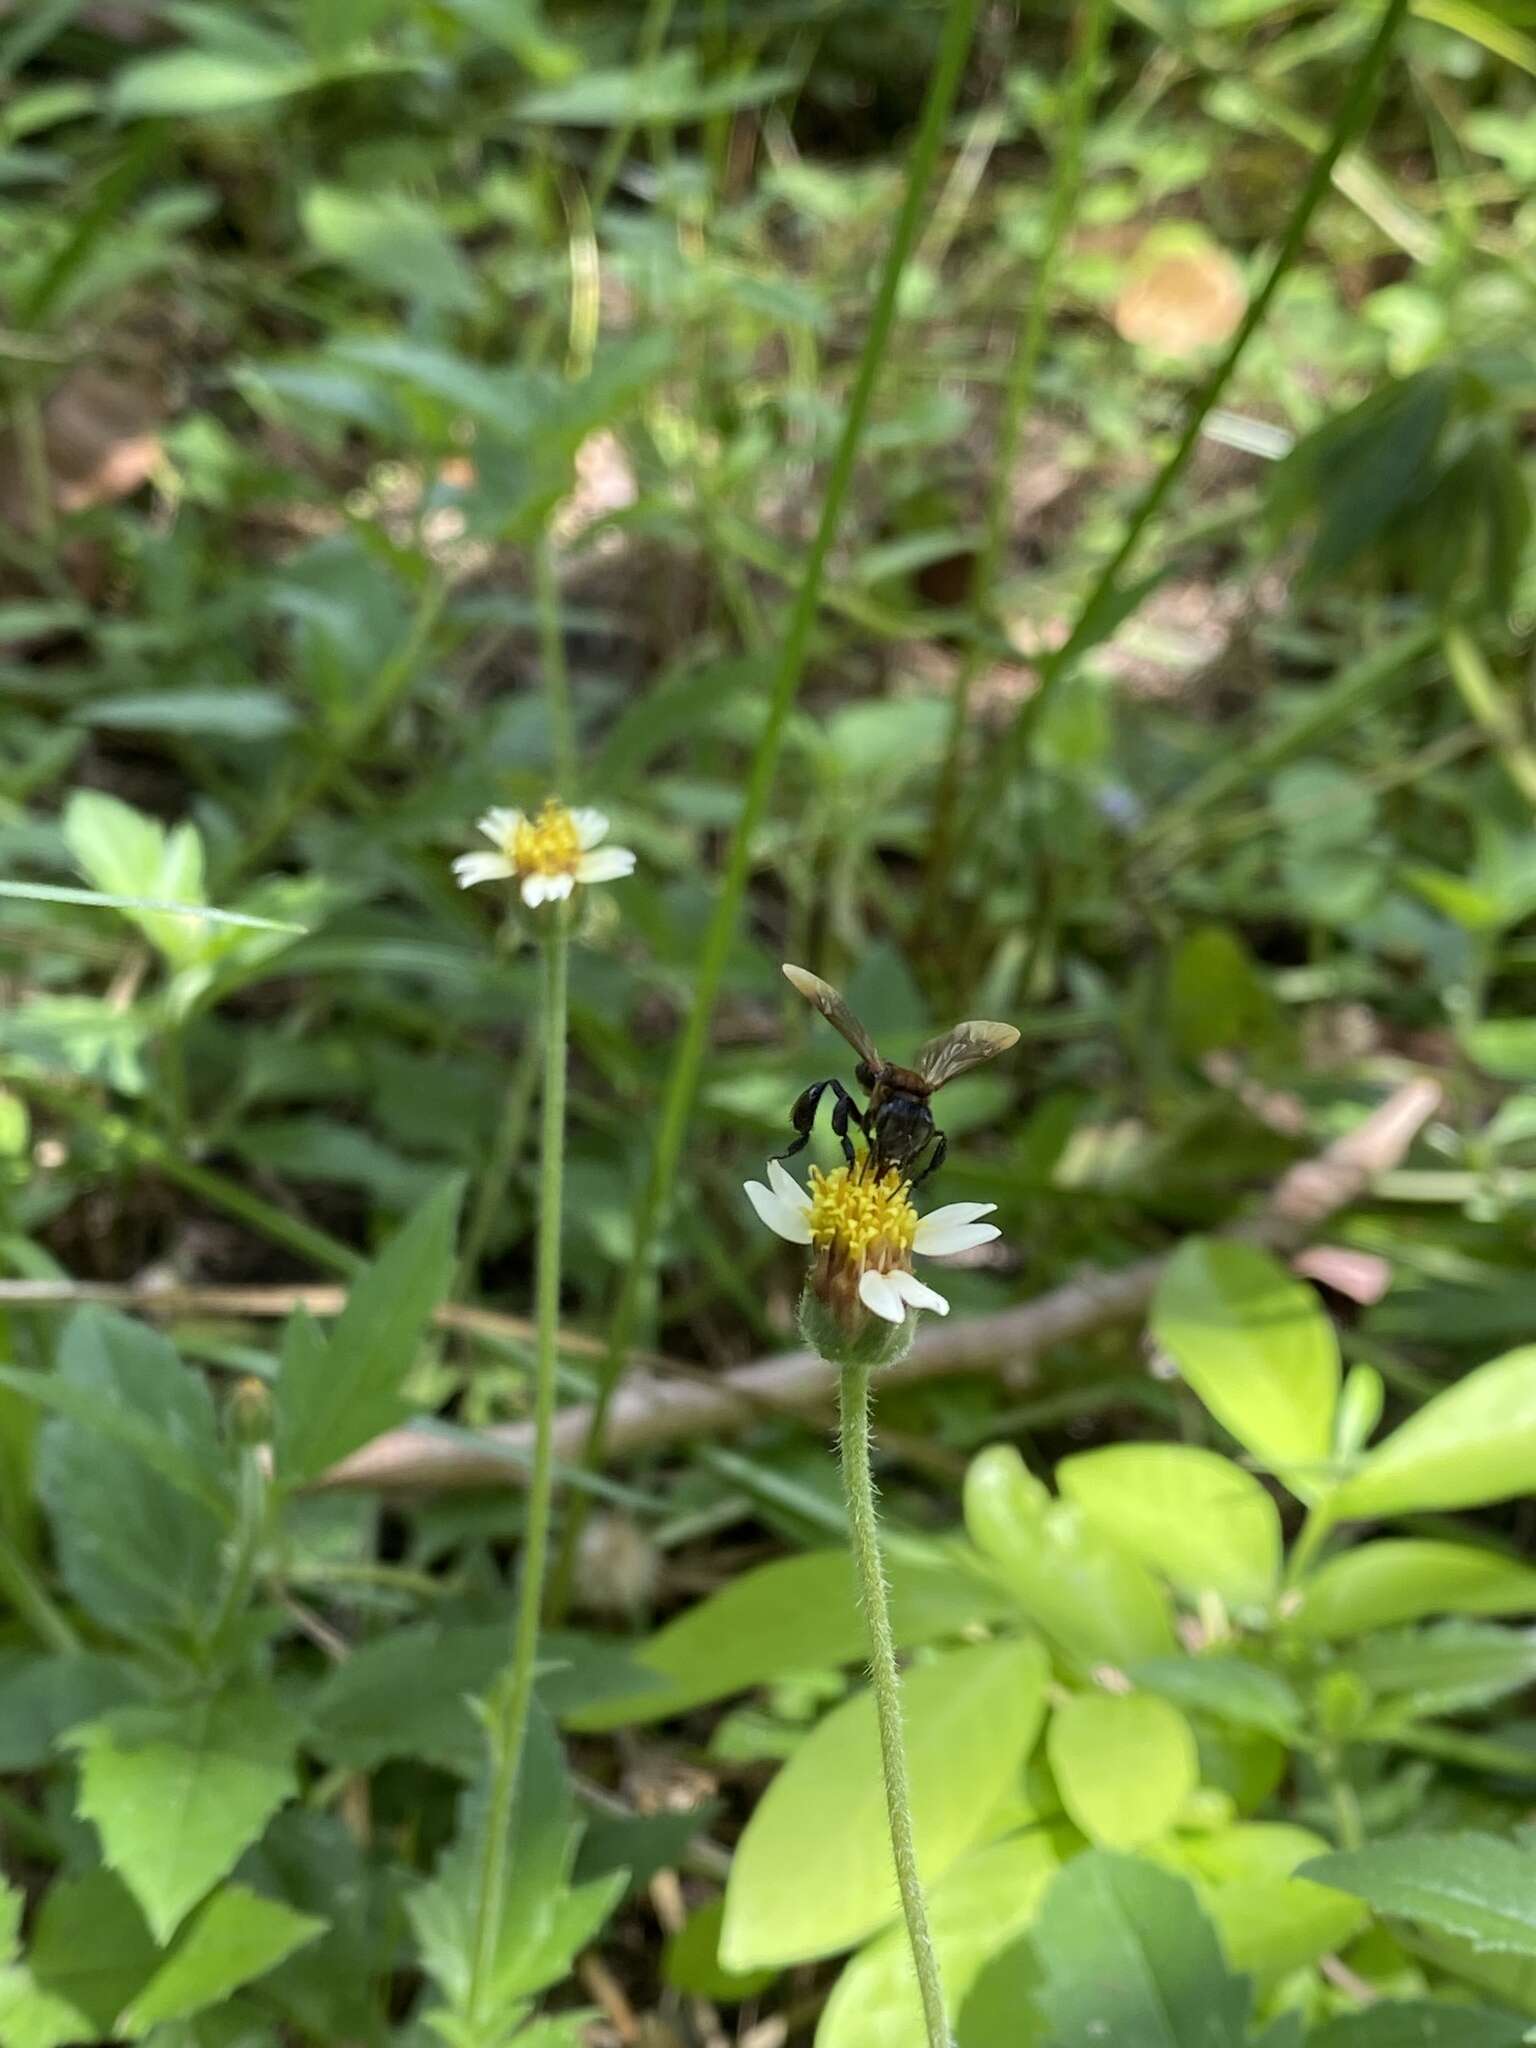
[[835, 1010], [957, 1051]]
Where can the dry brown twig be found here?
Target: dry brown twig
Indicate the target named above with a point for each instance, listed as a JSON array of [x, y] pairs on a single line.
[[662, 1404]]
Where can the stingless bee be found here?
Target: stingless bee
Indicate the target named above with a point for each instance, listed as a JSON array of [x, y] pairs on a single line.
[[897, 1121]]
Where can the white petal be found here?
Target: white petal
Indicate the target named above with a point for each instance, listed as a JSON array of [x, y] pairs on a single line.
[[591, 826], [535, 889], [470, 868], [609, 865], [786, 1187], [916, 1295], [880, 1297], [780, 1218], [499, 825], [957, 1237], [558, 887], [959, 1212]]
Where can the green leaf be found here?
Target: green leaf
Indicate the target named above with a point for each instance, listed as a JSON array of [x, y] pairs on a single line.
[[691, 1961], [971, 1716], [1124, 1764], [237, 1936], [128, 855], [796, 1614], [1091, 1597], [1128, 1957], [332, 1397], [391, 241], [1446, 1669], [1257, 1348], [42, 1697], [139, 1556], [91, 1948], [1474, 1443], [1001, 2009], [193, 82], [1216, 997], [1419, 2024], [177, 1793], [1403, 1578], [328, 1988], [1196, 1518], [193, 1469], [665, 91], [984, 1902], [1476, 1887], [1271, 1921], [235, 714], [1229, 1688]]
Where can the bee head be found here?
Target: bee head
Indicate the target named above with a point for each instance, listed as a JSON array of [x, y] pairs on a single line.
[[864, 1074]]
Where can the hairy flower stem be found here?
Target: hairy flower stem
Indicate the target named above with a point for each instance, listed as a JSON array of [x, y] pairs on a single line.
[[859, 1491], [682, 1079], [509, 1738]]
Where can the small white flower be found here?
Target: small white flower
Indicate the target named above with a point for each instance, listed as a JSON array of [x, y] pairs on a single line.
[[866, 1225], [546, 855]]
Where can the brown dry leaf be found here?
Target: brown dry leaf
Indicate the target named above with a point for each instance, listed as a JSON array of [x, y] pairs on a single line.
[[100, 439], [1184, 294]]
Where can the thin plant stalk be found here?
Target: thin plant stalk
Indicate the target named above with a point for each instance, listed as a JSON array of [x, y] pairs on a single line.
[[1018, 396], [33, 1603], [1105, 595], [557, 690], [509, 1738], [859, 1492], [506, 1144], [682, 1080]]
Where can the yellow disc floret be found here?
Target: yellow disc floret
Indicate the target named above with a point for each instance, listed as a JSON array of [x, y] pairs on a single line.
[[864, 1216], [546, 845]]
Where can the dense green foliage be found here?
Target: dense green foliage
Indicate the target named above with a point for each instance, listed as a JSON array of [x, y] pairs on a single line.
[[415, 406]]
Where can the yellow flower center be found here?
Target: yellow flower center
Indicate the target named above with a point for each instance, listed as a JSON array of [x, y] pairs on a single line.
[[546, 845], [855, 1212]]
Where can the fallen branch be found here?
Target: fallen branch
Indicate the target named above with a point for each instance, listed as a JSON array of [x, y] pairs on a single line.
[[652, 1412]]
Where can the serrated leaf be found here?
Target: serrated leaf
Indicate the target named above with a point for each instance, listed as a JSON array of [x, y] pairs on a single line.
[[1472, 1444], [1128, 1957], [1257, 1348], [1401, 1578], [1476, 1887], [177, 1793], [970, 1716], [332, 1397], [1196, 1518], [1124, 1764], [237, 1936]]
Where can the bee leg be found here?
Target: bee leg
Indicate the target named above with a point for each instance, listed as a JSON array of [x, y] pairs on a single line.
[[935, 1157], [846, 1108], [803, 1116]]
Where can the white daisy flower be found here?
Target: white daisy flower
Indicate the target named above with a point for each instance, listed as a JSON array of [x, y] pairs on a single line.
[[545, 855], [864, 1229]]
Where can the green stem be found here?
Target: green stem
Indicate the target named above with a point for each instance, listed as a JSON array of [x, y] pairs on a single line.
[[32, 1602], [1018, 396], [509, 1738], [1314, 1533], [1104, 594], [1494, 714], [859, 1491], [506, 1144], [557, 691], [250, 1532], [682, 1080]]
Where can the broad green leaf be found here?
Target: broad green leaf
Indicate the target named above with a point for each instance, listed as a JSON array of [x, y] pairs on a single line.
[[194, 1470], [31, 2017], [1477, 1887], [42, 1697], [139, 1556], [1418, 2023], [1403, 1578], [234, 714], [391, 241], [1124, 1764], [1198, 1519], [91, 1948], [1074, 1582], [667, 90], [236, 1936], [971, 1716], [193, 82], [796, 1614], [1257, 1348], [129, 855], [1216, 996], [1474, 1443], [1128, 1957], [327, 1988], [1000, 2010], [691, 1960], [333, 1396], [1227, 1687], [1445, 1669], [1271, 1921], [989, 1897], [177, 1793]]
